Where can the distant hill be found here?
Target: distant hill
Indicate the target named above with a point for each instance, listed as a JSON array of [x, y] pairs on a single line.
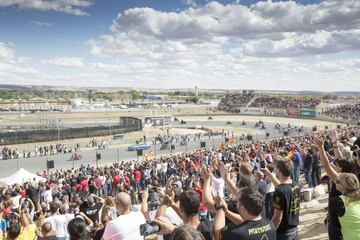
[[25, 88]]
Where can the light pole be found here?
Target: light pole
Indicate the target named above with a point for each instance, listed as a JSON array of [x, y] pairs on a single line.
[[155, 147], [213, 140], [58, 130]]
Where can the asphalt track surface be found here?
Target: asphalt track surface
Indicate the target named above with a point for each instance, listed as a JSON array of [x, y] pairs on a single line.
[[114, 154]]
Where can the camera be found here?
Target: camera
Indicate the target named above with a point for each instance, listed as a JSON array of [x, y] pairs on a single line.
[[149, 228]]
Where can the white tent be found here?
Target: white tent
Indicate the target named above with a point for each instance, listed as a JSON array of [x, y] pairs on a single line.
[[22, 176]]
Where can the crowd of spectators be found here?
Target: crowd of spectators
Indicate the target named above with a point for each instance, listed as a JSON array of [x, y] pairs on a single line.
[[52, 149], [232, 102], [285, 102], [245, 191], [346, 112]]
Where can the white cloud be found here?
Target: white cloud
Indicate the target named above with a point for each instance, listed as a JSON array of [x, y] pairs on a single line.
[[269, 45], [191, 3], [41, 24], [7, 53], [294, 44], [239, 20], [72, 62], [74, 7]]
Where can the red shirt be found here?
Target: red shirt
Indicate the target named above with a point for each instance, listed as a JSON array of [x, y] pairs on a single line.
[[116, 180], [84, 184], [127, 180], [200, 192], [183, 165], [78, 187], [97, 182], [23, 194], [137, 176]]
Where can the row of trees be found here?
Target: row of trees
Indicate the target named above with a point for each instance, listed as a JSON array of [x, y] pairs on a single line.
[[61, 94]]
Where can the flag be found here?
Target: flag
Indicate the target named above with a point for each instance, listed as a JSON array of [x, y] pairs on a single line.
[[291, 153]]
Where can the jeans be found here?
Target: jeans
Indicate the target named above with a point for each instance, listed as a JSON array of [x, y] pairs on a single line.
[[308, 177], [296, 173], [269, 210], [316, 176], [290, 234]]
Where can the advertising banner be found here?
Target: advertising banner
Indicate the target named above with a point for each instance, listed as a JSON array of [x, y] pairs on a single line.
[[293, 112], [311, 113], [252, 111], [156, 121], [276, 111]]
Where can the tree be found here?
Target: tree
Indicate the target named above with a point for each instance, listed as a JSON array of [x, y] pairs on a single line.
[[329, 97], [192, 99]]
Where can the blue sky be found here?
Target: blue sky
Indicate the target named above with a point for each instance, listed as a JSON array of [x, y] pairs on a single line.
[[285, 45]]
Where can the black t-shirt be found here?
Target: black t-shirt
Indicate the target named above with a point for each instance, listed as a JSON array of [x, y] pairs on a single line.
[[92, 212], [206, 229], [32, 193], [99, 233], [316, 160], [250, 230], [333, 193], [287, 198], [308, 161], [357, 142], [336, 210]]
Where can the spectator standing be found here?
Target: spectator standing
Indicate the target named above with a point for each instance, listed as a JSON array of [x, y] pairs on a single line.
[[346, 207], [286, 202], [250, 205], [126, 226]]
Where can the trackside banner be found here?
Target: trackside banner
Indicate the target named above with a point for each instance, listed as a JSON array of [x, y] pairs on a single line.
[[276, 111], [293, 112], [252, 111]]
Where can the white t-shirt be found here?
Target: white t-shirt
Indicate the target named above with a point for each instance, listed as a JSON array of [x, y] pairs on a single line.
[[218, 186], [59, 224], [125, 227], [16, 201], [164, 167]]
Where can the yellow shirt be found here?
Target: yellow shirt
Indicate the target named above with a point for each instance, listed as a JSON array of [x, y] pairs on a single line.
[[28, 233]]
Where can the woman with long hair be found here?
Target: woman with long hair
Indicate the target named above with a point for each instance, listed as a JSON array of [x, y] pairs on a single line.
[[347, 206]]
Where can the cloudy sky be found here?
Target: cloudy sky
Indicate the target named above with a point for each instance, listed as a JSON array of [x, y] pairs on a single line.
[[229, 44]]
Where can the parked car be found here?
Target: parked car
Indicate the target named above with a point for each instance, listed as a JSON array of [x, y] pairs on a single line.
[[139, 147]]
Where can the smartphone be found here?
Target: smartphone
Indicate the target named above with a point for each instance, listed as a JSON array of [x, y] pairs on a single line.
[[149, 228], [262, 164]]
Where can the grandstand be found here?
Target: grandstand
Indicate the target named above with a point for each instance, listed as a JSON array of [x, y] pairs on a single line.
[[235, 101]]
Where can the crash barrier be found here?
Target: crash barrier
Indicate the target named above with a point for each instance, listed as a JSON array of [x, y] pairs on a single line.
[[126, 124], [293, 112]]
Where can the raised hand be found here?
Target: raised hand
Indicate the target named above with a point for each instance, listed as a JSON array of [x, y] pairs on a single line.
[[333, 136], [205, 172], [145, 194], [224, 172], [318, 141], [219, 202]]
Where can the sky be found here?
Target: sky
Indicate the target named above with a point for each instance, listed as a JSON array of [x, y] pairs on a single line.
[[229, 44]]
